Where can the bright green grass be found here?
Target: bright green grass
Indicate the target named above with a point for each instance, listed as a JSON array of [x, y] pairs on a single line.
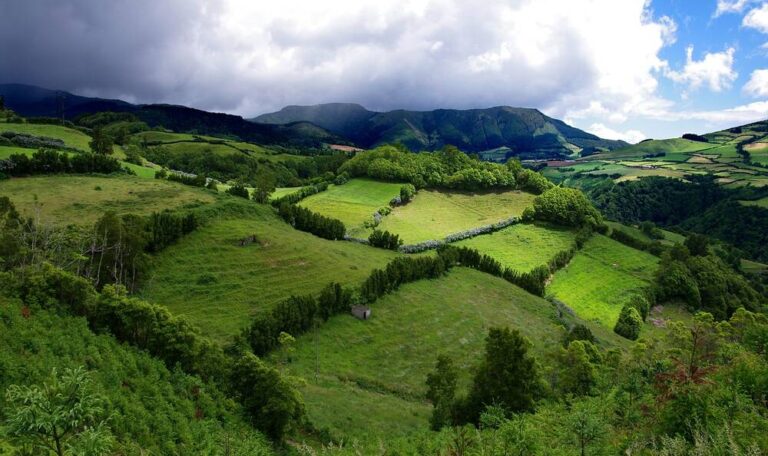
[[435, 214], [670, 237], [72, 138], [658, 145], [601, 278], [253, 278], [63, 199], [754, 267], [763, 202], [354, 202], [7, 151], [522, 247], [283, 191], [369, 375]]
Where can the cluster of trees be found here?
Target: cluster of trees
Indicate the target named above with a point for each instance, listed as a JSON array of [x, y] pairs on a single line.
[[564, 206], [700, 392], [448, 168], [243, 167], [385, 240], [304, 219], [703, 281], [46, 161], [507, 378]]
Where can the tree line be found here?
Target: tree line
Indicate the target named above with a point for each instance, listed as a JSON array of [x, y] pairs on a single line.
[[304, 219], [46, 161]]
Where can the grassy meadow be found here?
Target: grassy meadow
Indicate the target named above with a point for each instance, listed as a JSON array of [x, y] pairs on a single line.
[[219, 285], [354, 202], [363, 375], [73, 199], [72, 138], [524, 246], [602, 276], [435, 214]]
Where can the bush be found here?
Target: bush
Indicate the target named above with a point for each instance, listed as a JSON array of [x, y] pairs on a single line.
[[341, 179], [238, 190], [406, 193], [629, 323], [385, 240]]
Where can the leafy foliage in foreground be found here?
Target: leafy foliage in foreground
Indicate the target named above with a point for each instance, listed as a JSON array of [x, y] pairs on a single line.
[[148, 407]]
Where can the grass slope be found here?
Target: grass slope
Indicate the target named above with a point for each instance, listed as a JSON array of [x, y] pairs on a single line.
[[601, 278], [435, 214], [153, 410], [354, 202], [72, 138], [369, 375], [68, 199], [218, 285], [523, 246]]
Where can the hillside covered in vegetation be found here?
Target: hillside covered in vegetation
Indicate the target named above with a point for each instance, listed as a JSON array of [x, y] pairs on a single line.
[[181, 291]]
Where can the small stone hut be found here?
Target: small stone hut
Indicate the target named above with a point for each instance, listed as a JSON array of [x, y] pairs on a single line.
[[361, 312]]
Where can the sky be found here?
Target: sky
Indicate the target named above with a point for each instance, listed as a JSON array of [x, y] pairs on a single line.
[[622, 69]]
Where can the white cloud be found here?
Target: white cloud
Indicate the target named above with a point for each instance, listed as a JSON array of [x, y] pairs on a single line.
[[715, 70], [630, 136], [757, 86], [757, 18], [731, 6]]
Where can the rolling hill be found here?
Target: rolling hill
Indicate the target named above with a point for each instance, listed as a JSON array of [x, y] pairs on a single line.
[[512, 131], [32, 101]]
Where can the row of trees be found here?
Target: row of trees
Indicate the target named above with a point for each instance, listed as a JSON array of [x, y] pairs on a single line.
[[296, 315], [46, 161], [304, 219], [295, 197]]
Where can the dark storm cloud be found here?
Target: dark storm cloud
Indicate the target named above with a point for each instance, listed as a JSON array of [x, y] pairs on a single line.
[[252, 56]]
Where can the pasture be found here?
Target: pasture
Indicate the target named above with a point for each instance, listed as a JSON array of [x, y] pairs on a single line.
[[72, 138], [354, 202], [364, 375], [81, 200], [602, 276], [219, 285], [434, 214], [522, 247]]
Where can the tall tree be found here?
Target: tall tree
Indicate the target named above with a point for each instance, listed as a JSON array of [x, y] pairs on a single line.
[[62, 416], [441, 391], [507, 376], [101, 143]]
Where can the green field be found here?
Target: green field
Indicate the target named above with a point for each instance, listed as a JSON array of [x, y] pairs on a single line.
[[670, 237], [72, 138], [283, 191], [141, 171], [354, 202], [601, 278], [218, 285], [435, 214], [369, 375], [523, 247], [82, 200], [763, 202], [655, 146], [7, 151]]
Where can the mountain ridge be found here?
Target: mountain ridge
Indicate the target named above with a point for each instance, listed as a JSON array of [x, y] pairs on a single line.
[[525, 132]]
